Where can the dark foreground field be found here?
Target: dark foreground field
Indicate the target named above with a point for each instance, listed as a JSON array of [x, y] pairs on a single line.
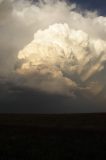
[[52, 137]]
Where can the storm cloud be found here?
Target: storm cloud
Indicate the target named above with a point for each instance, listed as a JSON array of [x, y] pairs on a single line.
[[52, 47]]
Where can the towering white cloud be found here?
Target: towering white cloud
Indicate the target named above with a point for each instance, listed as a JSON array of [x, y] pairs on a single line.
[[59, 52]]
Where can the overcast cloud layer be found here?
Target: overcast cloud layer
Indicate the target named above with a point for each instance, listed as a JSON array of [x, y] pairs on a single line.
[[53, 46]]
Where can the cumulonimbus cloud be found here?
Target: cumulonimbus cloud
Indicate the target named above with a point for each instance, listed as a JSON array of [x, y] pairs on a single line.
[[68, 49], [59, 53]]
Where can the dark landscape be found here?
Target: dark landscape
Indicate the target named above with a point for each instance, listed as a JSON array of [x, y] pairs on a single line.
[[53, 137]]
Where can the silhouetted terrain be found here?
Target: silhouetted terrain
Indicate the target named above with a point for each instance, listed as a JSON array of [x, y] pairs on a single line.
[[52, 137]]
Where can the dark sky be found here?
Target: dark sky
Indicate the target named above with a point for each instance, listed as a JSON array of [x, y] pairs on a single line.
[[14, 98], [98, 5]]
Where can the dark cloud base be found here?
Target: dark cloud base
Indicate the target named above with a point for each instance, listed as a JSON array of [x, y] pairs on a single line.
[[15, 99]]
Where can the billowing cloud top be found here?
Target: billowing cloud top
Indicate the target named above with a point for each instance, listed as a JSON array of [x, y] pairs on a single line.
[[59, 53]]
